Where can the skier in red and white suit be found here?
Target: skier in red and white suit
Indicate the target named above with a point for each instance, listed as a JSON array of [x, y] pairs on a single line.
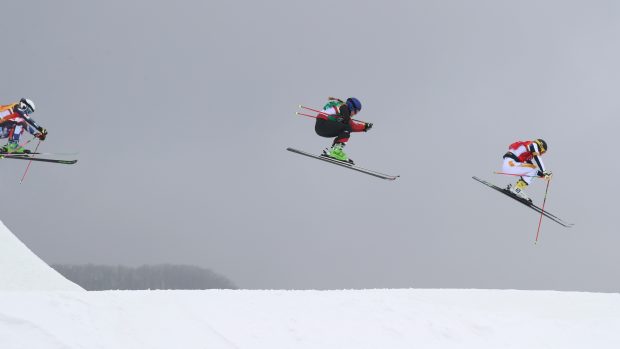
[[524, 158]]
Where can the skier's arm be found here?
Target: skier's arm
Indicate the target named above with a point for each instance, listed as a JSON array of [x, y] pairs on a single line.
[[537, 159], [35, 129], [32, 130], [33, 124], [359, 126]]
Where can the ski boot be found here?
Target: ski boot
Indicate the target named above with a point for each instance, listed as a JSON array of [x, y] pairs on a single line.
[[13, 148], [337, 152], [518, 190]]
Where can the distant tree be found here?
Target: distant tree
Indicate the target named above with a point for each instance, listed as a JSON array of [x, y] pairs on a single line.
[[154, 277]]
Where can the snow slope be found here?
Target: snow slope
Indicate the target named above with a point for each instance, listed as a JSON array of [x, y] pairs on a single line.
[[310, 319], [40, 309], [20, 269]]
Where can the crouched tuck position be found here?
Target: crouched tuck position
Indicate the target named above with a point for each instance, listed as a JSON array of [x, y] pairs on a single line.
[[524, 159], [14, 121], [336, 121]]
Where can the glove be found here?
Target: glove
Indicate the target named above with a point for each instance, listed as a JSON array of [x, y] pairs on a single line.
[[546, 175], [42, 134], [367, 126]]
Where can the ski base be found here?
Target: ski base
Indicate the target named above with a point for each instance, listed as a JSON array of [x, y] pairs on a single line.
[[525, 202], [345, 165], [30, 158]]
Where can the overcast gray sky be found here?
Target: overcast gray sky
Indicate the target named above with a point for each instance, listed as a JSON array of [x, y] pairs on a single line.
[[182, 111]]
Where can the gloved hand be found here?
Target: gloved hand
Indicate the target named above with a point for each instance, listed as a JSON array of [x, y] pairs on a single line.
[[367, 126], [42, 134], [545, 175]]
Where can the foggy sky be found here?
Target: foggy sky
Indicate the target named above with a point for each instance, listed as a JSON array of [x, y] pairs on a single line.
[[181, 113]]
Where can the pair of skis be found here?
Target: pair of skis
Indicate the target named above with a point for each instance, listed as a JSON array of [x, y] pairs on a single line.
[[344, 164], [31, 157], [526, 203]]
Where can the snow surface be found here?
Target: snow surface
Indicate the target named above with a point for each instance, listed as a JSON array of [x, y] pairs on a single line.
[[21, 269], [310, 319], [41, 309]]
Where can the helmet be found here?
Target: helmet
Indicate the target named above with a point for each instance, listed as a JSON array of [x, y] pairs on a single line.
[[542, 145], [26, 106], [354, 104]]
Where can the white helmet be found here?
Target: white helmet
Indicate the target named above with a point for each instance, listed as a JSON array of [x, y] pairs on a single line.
[[26, 106]]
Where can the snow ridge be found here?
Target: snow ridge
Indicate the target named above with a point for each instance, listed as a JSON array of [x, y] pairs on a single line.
[[22, 270]]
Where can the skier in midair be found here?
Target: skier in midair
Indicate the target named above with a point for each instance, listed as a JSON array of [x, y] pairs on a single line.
[[336, 121], [524, 158], [14, 121]]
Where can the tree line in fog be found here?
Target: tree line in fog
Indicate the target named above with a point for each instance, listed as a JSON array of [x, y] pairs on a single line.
[[154, 277]]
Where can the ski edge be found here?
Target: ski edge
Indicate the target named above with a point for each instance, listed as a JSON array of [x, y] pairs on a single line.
[[54, 161]]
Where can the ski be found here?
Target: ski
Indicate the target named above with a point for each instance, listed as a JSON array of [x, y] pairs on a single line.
[[25, 157], [526, 203], [345, 165]]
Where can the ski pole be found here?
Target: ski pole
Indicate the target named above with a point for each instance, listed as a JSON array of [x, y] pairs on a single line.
[[542, 210], [308, 115], [26, 142], [512, 174], [314, 110], [30, 162], [322, 112]]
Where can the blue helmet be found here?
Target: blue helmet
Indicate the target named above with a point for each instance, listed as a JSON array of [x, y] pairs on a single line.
[[354, 104]]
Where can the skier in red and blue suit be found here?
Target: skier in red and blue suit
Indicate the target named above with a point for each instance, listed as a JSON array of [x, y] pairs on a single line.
[[14, 121]]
